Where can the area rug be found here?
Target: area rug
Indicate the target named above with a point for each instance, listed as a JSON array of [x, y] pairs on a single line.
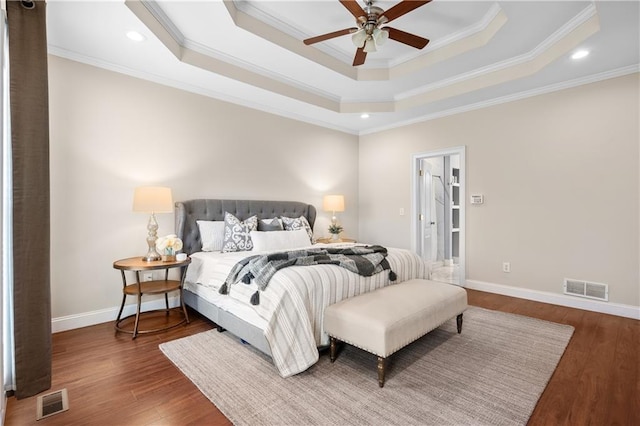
[[491, 374]]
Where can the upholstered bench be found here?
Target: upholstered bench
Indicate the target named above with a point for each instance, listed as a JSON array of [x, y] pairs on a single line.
[[386, 320]]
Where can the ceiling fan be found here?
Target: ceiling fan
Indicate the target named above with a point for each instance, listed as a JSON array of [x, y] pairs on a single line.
[[370, 32]]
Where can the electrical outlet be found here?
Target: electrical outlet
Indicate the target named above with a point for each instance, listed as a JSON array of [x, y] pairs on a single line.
[[147, 276], [401, 211], [506, 267]]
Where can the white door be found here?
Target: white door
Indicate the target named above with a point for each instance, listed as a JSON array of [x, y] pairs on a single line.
[[435, 225], [429, 237]]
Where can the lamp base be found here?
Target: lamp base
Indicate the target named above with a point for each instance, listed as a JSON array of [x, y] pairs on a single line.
[[152, 255]]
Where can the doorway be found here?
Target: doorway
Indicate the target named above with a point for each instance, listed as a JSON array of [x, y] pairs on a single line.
[[439, 211]]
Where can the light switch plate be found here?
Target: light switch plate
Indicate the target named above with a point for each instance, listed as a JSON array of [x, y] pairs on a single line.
[[477, 199]]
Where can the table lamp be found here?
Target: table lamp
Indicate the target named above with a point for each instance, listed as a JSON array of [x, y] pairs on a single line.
[[333, 203], [152, 199]]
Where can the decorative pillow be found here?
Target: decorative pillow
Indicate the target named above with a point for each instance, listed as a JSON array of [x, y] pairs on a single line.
[[274, 224], [211, 234], [237, 233], [279, 240], [291, 224]]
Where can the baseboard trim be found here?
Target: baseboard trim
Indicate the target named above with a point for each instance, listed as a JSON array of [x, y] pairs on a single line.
[[5, 401], [618, 309], [85, 319]]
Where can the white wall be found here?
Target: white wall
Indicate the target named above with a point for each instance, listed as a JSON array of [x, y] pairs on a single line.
[[111, 133], [560, 177]]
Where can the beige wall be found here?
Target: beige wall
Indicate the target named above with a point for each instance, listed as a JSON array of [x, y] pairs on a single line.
[[559, 173], [111, 133]]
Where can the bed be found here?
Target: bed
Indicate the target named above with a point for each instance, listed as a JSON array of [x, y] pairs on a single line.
[[287, 322]]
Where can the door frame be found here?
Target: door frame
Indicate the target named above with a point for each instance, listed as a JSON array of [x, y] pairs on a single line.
[[415, 202]]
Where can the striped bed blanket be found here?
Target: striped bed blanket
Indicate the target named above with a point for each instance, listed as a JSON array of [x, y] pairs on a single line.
[[362, 260], [292, 305]]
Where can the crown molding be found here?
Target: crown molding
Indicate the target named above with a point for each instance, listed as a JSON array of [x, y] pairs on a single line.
[[199, 90], [289, 37], [495, 15], [223, 57], [585, 24], [286, 26], [63, 53], [275, 35], [620, 72], [580, 27], [164, 20], [567, 37]]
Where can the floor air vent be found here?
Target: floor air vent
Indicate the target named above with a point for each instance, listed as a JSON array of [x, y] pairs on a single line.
[[52, 403], [586, 289]]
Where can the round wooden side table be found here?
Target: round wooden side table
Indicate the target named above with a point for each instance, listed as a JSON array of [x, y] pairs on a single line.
[[141, 287]]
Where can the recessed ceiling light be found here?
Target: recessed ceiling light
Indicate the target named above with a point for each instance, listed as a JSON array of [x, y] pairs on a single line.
[[579, 54], [135, 36], [364, 116]]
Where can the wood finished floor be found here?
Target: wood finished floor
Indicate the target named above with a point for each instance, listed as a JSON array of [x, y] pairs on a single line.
[[113, 380]]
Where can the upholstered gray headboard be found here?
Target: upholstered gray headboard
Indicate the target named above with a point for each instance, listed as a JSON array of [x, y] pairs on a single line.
[[187, 212]]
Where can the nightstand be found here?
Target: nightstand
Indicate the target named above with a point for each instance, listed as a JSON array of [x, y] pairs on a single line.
[[140, 288], [339, 240]]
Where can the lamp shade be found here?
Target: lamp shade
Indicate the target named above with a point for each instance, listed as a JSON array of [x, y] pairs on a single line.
[[152, 199], [333, 203]]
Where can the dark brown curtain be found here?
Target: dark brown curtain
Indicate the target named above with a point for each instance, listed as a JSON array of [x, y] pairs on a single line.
[[30, 157]]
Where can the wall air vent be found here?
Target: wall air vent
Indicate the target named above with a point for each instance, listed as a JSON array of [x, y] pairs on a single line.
[[586, 289]]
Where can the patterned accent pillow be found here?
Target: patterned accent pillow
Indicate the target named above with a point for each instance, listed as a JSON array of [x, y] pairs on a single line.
[[237, 235], [291, 224]]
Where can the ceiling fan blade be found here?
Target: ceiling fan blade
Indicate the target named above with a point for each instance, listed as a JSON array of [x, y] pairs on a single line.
[[327, 36], [361, 55], [353, 7], [400, 9], [407, 38]]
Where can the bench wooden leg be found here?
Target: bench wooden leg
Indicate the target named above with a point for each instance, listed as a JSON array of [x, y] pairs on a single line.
[[333, 348], [459, 323], [381, 366]]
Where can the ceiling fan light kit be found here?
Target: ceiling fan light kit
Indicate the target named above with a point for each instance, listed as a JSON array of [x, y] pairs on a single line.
[[370, 41], [380, 36], [370, 32], [359, 38], [370, 46]]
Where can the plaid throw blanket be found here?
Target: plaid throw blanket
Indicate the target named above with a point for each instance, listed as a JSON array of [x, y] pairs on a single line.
[[363, 260]]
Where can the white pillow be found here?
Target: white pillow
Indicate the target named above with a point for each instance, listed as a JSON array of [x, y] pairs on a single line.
[[279, 240], [211, 234]]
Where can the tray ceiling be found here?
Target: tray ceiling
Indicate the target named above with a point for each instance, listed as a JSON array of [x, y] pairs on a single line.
[[251, 52]]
